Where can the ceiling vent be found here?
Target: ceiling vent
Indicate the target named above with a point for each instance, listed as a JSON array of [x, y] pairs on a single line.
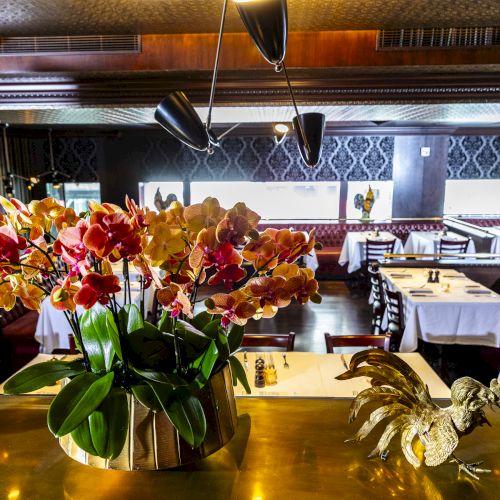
[[438, 38], [69, 45]]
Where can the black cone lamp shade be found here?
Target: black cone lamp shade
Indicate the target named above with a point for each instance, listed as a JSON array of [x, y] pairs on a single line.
[[176, 115], [310, 136], [267, 23]]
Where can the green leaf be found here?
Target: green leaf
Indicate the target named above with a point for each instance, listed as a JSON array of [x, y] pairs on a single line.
[[41, 375], [147, 397], [81, 436], [186, 414], [191, 335], [161, 393], [130, 318], [235, 337], [201, 320], [109, 424], [204, 364], [114, 336], [161, 377], [77, 401], [212, 328], [150, 348], [96, 339], [238, 373], [166, 323]]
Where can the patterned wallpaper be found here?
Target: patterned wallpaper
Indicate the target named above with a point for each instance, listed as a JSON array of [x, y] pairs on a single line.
[[474, 157], [260, 159]]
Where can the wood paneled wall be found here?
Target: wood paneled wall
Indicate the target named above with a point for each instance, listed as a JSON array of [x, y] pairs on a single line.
[[328, 49]]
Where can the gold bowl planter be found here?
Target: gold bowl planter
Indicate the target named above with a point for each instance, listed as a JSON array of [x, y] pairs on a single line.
[[153, 442]]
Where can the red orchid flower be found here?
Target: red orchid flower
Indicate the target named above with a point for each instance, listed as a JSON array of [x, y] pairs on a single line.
[[70, 246], [229, 275], [96, 288], [10, 244]]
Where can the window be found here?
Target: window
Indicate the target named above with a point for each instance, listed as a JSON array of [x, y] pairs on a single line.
[[275, 200], [148, 190], [76, 195], [382, 190], [472, 197]]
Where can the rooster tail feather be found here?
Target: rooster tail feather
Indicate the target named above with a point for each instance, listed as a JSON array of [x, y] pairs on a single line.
[[408, 435], [383, 395], [392, 410], [390, 431]]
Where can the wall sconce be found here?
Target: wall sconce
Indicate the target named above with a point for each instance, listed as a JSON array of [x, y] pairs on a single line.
[[280, 131]]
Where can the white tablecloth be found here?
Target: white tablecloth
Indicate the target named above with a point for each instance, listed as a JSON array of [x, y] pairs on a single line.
[[428, 241], [313, 375], [353, 249], [309, 375], [52, 328], [458, 315]]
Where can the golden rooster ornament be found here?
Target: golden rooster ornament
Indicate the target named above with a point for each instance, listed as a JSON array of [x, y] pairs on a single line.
[[405, 400]]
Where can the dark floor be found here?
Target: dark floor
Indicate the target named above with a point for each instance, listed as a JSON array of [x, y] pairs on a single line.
[[341, 312]]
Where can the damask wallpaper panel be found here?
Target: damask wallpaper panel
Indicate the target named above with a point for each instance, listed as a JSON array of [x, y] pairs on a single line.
[[261, 159], [474, 157]]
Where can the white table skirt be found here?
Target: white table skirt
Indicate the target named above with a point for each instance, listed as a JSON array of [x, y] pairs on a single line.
[[427, 242], [52, 328], [313, 375], [456, 316], [353, 248]]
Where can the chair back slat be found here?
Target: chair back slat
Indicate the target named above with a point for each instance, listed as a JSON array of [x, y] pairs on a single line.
[[453, 246], [375, 250], [380, 341], [395, 311], [283, 340]]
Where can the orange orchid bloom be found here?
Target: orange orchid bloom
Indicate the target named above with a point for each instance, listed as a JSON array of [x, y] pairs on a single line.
[[45, 211], [7, 297], [228, 276], [203, 215], [62, 297], [31, 296], [173, 298], [236, 224], [304, 287], [262, 253], [68, 218], [235, 307]]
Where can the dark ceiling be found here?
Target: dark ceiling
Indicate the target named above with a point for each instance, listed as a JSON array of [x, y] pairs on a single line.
[[85, 17]]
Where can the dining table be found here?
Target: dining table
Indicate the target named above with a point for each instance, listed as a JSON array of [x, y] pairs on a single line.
[[457, 310], [427, 242], [299, 374], [353, 249], [282, 448]]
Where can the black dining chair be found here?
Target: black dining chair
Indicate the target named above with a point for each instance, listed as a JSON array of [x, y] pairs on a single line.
[[334, 341], [378, 304], [395, 315], [283, 340], [375, 250], [453, 246]]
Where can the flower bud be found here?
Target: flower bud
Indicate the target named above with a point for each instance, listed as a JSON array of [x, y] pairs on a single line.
[[253, 234], [316, 298]]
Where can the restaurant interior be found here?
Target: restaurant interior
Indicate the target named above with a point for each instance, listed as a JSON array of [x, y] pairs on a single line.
[[370, 128]]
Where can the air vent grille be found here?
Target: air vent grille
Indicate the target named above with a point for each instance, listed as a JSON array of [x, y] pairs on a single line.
[[67, 45], [438, 38]]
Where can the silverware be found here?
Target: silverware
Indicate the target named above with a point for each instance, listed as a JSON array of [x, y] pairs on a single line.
[[285, 364], [342, 358], [245, 360]]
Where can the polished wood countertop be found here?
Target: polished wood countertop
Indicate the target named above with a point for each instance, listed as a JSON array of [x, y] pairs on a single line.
[[288, 448]]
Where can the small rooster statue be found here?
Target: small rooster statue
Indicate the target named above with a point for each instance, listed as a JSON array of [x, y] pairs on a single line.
[[365, 203], [405, 399], [163, 205]]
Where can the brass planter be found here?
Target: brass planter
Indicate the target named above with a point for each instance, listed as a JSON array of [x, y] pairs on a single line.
[[153, 443]]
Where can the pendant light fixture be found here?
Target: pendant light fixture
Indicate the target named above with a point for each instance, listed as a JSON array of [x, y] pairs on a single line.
[[177, 115], [267, 24]]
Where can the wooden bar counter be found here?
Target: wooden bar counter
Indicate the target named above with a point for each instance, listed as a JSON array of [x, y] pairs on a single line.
[[283, 449]]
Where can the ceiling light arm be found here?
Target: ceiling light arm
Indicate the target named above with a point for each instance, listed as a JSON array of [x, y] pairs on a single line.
[[216, 65], [301, 130], [229, 130]]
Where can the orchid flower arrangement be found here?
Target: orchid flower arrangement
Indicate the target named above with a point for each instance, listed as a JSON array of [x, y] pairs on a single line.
[[47, 250]]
